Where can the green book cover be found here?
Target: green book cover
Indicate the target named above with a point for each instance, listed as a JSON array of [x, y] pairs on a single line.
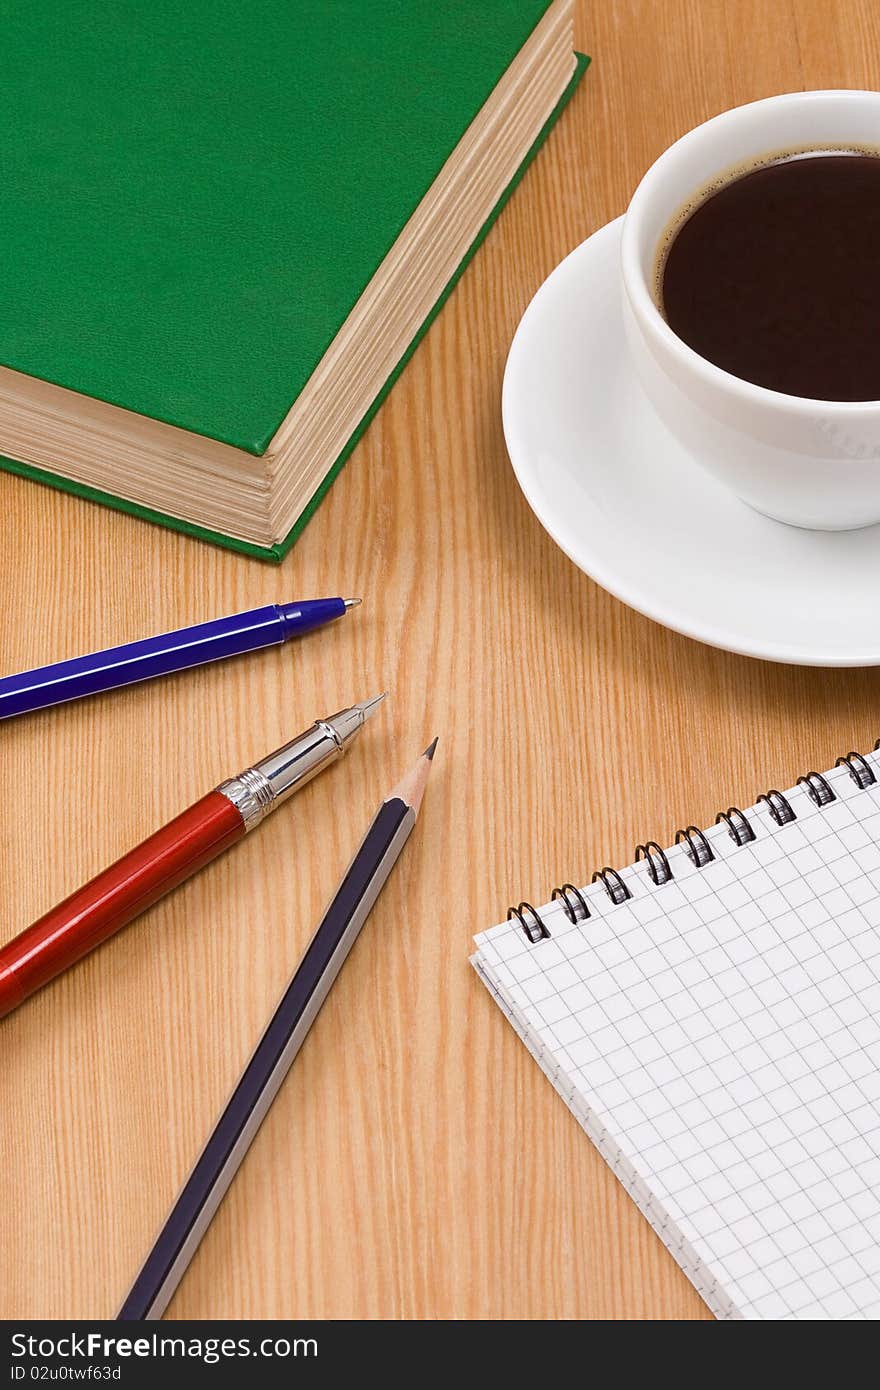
[[195, 195]]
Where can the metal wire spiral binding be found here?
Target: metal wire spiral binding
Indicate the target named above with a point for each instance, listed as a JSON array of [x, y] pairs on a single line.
[[572, 900], [535, 930], [780, 809], [613, 884], [696, 846], [658, 864], [738, 827], [817, 788], [858, 769]]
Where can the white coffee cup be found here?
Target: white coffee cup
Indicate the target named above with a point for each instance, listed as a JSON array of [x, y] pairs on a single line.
[[808, 462]]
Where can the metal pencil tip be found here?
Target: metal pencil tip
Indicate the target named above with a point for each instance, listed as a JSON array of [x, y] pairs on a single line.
[[429, 751], [352, 602], [368, 707]]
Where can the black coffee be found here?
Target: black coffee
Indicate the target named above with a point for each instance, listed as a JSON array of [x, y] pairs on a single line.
[[776, 277]]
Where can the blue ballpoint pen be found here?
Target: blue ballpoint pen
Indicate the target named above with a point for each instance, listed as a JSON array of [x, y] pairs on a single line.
[[162, 655]]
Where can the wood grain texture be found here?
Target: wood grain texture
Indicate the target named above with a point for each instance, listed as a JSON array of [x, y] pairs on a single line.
[[416, 1164]]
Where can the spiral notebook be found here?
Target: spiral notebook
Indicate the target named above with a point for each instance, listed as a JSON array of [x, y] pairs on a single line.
[[711, 1016]]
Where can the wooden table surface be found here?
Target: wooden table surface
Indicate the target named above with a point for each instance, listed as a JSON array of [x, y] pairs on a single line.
[[416, 1164]]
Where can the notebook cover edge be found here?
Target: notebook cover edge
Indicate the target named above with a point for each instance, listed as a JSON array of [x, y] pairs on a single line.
[[695, 1269]]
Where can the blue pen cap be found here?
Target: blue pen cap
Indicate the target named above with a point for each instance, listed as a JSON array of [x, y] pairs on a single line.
[[297, 618]]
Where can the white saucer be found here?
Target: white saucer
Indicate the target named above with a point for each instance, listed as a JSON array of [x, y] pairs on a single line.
[[631, 508]]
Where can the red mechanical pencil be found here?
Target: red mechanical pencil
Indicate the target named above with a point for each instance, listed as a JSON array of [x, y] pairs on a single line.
[[174, 853]]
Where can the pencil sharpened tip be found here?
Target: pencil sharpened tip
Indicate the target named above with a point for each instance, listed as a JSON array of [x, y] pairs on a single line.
[[411, 788], [352, 602], [431, 749]]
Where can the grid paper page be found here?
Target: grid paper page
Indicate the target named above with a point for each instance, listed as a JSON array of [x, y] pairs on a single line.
[[719, 1039]]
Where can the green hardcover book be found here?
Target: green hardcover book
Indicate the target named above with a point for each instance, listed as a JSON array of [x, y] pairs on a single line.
[[226, 223]]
